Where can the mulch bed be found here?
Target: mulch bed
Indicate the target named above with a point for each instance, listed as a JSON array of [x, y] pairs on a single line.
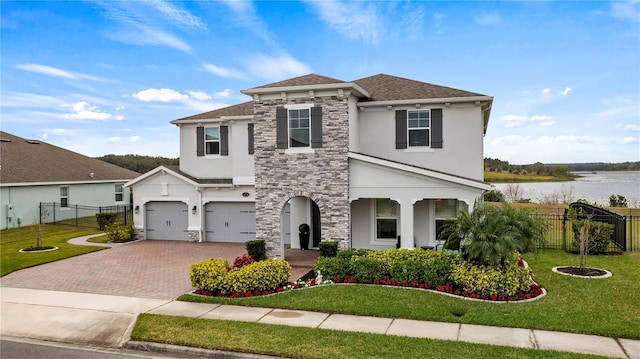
[[585, 272]]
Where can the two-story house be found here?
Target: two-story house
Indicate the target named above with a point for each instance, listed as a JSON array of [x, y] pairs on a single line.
[[368, 163]]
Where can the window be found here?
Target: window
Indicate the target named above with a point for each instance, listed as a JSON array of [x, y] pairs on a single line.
[[299, 129], [446, 210], [418, 127], [119, 193], [212, 140], [386, 219], [64, 196]]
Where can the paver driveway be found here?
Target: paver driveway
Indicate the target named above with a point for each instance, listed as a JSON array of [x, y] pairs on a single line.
[[146, 269]]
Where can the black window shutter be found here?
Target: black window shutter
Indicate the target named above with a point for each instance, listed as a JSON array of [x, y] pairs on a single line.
[[199, 141], [316, 127], [250, 134], [436, 128], [282, 135], [224, 140], [401, 129]]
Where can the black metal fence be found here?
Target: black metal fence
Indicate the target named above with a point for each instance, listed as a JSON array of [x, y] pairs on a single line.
[[560, 234], [82, 216]]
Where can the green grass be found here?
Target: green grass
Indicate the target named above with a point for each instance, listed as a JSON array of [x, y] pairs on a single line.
[[296, 342], [99, 239], [607, 307], [12, 240]]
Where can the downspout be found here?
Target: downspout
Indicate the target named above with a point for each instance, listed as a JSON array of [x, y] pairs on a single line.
[[200, 236]]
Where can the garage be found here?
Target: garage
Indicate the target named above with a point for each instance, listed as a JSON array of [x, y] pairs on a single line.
[[230, 222], [167, 221]]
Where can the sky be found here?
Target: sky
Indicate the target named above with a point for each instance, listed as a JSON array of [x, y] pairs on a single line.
[[107, 77]]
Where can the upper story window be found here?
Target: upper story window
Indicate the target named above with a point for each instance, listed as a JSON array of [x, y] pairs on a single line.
[[64, 196], [299, 128], [212, 140], [119, 193], [418, 127]]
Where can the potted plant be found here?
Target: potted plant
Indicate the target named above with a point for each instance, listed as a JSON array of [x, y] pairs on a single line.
[[304, 235]]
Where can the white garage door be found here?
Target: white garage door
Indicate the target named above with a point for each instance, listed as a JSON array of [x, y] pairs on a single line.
[[230, 222], [167, 220]]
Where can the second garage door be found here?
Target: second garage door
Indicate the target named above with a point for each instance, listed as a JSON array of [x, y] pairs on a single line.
[[230, 222], [167, 220]]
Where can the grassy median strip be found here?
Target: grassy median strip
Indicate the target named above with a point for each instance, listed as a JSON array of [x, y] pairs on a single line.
[[607, 307], [297, 342], [12, 240]]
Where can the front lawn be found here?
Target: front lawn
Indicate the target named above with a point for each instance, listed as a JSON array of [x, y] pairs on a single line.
[[607, 307], [12, 240], [297, 342]]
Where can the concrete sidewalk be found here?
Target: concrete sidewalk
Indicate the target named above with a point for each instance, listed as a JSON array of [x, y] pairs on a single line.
[[104, 320]]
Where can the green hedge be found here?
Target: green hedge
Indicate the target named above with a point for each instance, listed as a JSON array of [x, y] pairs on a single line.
[[510, 280], [600, 235], [217, 276]]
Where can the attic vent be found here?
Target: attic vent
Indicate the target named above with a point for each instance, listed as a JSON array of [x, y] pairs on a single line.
[[5, 140], [33, 142]]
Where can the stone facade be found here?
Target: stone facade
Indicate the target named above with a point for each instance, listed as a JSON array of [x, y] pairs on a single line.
[[193, 236], [322, 176]]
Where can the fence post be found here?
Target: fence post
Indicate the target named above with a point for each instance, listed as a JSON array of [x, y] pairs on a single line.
[[630, 247], [76, 215], [40, 214], [564, 231], [54, 212]]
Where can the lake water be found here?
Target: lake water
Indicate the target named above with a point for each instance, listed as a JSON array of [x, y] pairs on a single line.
[[594, 187]]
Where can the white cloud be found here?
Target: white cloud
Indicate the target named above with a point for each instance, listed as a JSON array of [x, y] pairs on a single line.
[[115, 139], [245, 16], [567, 90], [55, 72], [134, 138], [628, 140], [352, 20], [545, 91], [517, 120], [565, 139], [486, 18], [119, 117], [61, 132], [273, 68], [144, 35], [224, 72], [199, 95], [632, 127], [161, 95], [180, 17], [84, 111], [627, 10], [509, 140], [224, 93]]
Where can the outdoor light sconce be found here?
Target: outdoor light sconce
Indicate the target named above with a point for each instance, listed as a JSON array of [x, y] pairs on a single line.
[[194, 209], [137, 209]]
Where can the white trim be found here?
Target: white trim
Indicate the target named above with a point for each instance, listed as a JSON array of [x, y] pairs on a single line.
[[420, 171], [162, 169], [419, 149], [244, 180], [299, 106], [206, 200], [299, 150], [220, 120], [146, 200], [414, 102], [29, 184]]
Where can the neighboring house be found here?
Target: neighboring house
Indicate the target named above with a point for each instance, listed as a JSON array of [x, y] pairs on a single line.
[[370, 163], [32, 171]]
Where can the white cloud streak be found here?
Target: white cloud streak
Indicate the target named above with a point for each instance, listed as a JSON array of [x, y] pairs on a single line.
[[273, 68], [488, 18], [224, 72], [56, 72], [352, 20], [84, 111]]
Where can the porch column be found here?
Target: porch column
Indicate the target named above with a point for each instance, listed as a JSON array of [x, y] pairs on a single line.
[[406, 223]]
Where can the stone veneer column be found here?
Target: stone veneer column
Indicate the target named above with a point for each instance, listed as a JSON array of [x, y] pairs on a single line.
[[322, 176]]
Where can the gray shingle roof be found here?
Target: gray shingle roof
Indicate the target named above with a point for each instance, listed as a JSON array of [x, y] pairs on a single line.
[[382, 87], [388, 88], [27, 161]]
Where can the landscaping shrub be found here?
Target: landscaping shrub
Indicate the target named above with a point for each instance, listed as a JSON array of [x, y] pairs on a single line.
[[407, 270], [600, 235], [328, 249], [509, 280], [332, 267], [104, 219], [209, 274], [437, 269], [243, 260], [118, 233], [348, 253], [258, 249], [268, 274], [366, 270]]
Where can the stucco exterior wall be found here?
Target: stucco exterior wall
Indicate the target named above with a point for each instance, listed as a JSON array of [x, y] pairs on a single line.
[[25, 200], [462, 152], [239, 163], [322, 175]]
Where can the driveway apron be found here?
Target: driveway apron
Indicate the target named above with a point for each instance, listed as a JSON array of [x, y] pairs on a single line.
[[144, 269]]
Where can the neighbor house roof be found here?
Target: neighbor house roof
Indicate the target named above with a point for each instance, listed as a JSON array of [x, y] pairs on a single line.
[[34, 161], [378, 88]]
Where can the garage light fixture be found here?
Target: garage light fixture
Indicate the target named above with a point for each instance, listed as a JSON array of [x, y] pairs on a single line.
[[137, 209], [194, 209]]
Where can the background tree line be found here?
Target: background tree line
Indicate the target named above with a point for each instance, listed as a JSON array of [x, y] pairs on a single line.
[[560, 170], [140, 164]]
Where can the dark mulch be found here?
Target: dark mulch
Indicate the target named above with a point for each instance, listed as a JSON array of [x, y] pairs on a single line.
[[585, 272]]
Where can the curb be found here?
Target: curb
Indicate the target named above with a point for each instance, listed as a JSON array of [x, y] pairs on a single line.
[[190, 351]]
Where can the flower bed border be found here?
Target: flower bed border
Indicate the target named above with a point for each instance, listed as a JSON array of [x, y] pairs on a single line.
[[606, 275]]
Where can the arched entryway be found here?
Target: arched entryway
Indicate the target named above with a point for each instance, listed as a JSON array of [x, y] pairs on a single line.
[[296, 211]]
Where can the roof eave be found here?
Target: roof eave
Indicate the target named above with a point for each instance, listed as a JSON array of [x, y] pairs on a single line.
[[357, 90], [213, 119], [444, 100]]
